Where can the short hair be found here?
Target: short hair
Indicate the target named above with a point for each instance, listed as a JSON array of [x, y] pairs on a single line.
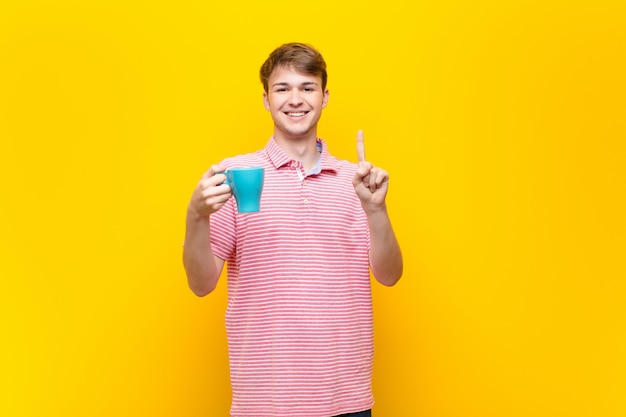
[[299, 56]]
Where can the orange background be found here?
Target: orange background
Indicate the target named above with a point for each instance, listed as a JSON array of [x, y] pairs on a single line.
[[502, 125]]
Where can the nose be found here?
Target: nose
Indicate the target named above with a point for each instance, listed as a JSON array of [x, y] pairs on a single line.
[[294, 97]]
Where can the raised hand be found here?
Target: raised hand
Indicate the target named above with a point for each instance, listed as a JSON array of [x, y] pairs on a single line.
[[210, 193], [370, 183]]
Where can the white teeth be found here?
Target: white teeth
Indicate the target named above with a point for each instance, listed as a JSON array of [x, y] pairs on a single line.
[[292, 114]]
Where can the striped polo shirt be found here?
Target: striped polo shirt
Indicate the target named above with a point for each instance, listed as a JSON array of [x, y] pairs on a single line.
[[299, 315]]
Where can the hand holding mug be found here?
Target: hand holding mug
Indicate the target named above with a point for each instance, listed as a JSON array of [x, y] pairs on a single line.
[[211, 193]]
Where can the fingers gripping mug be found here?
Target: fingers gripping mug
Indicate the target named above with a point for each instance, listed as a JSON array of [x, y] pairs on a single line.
[[247, 185]]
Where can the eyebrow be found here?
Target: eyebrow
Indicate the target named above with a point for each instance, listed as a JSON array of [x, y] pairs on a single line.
[[286, 84]]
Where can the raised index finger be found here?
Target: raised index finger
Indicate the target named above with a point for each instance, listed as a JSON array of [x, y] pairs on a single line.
[[360, 146]]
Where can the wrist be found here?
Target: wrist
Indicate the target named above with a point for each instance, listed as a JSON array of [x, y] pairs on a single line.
[[196, 216], [375, 210]]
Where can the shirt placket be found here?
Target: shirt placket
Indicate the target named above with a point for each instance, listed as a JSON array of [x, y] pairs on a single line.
[[305, 195]]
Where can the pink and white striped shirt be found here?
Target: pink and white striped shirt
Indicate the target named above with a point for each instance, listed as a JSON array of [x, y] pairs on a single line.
[[299, 315]]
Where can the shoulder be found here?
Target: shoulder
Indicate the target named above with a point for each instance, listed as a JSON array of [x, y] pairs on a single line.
[[257, 158], [342, 166]]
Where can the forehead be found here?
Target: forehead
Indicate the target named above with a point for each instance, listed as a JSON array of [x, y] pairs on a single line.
[[290, 75]]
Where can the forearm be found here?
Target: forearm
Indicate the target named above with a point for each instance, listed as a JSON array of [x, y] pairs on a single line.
[[200, 264], [385, 254]]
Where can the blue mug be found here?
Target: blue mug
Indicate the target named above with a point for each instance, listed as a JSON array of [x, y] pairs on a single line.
[[247, 185]]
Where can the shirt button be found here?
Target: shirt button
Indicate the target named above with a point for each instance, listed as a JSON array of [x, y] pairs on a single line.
[[306, 201]]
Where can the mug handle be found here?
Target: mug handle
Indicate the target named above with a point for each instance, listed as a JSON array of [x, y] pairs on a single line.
[[226, 182]]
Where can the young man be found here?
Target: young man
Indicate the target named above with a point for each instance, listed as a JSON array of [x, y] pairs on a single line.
[[299, 315]]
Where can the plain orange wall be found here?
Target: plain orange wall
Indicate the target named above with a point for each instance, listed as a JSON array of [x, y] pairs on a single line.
[[502, 125]]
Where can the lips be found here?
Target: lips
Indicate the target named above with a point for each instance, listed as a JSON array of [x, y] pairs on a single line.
[[296, 113]]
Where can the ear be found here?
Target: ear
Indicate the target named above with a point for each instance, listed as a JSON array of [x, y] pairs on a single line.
[[266, 101], [325, 98]]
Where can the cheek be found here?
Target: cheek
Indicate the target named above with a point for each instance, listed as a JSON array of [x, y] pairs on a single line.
[[274, 104]]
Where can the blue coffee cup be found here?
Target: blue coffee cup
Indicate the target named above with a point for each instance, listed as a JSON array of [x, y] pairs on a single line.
[[247, 186]]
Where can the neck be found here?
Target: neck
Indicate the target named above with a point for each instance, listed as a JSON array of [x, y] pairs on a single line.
[[303, 149]]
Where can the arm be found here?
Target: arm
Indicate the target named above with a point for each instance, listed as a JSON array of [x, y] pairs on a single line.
[[385, 254], [371, 185], [202, 267]]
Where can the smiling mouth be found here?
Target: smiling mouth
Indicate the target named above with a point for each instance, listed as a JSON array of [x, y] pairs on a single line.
[[295, 113]]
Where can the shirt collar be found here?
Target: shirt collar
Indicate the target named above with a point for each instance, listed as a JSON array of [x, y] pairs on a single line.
[[279, 158]]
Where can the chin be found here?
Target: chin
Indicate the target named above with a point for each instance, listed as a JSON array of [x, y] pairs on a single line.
[[293, 133]]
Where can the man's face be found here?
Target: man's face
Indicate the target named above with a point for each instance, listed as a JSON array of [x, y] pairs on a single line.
[[295, 101]]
